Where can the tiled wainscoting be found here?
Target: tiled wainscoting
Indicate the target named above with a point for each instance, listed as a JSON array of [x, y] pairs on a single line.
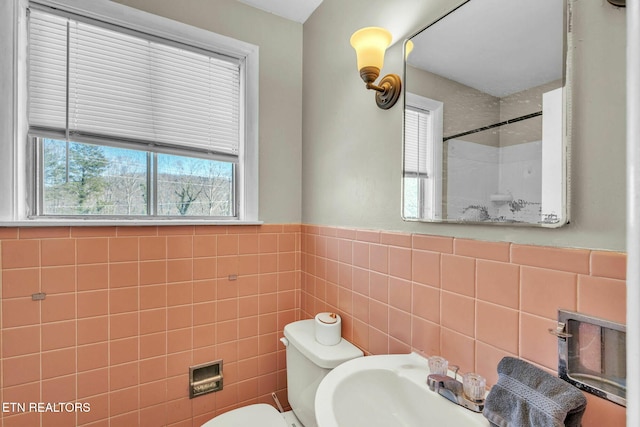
[[472, 302], [129, 309]]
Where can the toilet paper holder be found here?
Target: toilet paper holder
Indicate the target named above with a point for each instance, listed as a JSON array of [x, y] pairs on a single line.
[[205, 378]]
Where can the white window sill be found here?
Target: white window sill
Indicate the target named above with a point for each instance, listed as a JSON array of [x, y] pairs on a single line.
[[119, 223]]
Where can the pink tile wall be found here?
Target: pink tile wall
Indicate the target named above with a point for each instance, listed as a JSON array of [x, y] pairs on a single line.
[[129, 309], [471, 301]]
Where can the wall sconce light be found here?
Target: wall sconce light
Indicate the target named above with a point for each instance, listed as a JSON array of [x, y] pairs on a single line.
[[370, 44]]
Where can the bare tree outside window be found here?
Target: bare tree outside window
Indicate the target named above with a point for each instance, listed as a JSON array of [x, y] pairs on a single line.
[[194, 187]]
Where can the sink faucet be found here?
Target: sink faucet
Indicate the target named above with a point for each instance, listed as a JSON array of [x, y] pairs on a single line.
[[454, 390]]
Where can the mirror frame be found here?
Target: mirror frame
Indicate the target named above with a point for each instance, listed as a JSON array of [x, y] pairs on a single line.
[[567, 83]]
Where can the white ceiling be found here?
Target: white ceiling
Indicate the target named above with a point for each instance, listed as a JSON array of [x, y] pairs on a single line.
[[499, 47], [294, 10]]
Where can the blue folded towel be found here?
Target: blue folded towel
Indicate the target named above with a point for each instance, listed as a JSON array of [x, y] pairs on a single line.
[[528, 396]]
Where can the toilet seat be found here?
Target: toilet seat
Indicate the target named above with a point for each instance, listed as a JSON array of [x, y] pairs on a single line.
[[258, 415]]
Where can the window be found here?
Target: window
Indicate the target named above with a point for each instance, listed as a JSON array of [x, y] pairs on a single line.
[[422, 172], [133, 116], [87, 179]]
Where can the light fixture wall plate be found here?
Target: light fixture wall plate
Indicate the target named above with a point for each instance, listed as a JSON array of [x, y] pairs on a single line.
[[391, 84]]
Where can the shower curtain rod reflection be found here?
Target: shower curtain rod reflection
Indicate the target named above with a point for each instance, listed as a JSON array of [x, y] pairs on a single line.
[[506, 122]]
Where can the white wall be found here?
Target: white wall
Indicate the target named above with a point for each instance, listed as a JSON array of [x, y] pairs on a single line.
[[473, 174], [476, 172], [551, 151], [521, 177], [352, 150]]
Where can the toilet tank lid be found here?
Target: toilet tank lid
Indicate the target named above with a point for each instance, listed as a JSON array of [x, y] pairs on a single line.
[[301, 334]]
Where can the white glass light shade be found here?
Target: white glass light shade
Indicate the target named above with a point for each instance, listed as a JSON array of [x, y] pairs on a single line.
[[370, 44]]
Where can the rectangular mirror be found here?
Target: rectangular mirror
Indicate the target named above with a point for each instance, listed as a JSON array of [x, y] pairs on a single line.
[[486, 117]]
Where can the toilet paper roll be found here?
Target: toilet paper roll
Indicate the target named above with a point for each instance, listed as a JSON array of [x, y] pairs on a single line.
[[328, 328]]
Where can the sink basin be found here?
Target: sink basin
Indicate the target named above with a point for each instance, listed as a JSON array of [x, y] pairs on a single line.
[[387, 390]]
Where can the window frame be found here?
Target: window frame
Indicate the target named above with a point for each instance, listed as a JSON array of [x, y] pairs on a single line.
[[428, 206], [17, 161]]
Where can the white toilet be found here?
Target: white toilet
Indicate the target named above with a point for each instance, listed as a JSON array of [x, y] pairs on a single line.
[[307, 364]]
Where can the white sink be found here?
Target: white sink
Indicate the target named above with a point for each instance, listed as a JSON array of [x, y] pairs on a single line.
[[387, 390]]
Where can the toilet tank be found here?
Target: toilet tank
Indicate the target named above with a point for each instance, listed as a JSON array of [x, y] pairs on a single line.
[[308, 362]]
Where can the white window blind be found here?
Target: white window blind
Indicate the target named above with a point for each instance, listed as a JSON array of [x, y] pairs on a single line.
[[418, 130], [89, 80]]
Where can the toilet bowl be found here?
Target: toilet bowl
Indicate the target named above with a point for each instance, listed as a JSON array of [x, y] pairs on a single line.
[[259, 414], [308, 362]]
